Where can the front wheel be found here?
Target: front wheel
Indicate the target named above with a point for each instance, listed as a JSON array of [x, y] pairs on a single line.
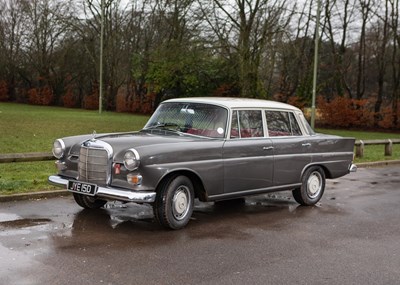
[[88, 202], [312, 187], [174, 203]]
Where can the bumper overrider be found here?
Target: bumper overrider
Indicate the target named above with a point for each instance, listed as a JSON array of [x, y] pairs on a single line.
[[111, 193], [353, 168]]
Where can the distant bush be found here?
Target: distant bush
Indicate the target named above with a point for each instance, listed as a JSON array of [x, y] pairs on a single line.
[[345, 112], [387, 121], [296, 101], [226, 90], [41, 96], [128, 101], [3, 90], [91, 101], [70, 100]]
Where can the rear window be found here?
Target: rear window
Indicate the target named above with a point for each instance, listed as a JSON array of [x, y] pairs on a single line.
[[281, 123]]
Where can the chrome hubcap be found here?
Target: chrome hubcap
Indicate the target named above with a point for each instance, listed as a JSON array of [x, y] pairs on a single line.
[[314, 185], [181, 202]]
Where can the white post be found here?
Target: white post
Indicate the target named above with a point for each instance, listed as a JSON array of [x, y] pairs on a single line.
[[101, 58]]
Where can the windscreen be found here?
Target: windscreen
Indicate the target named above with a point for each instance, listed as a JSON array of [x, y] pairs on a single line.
[[190, 118]]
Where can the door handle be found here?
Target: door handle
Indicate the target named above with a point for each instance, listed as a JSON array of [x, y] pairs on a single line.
[[268, 147], [306, 144]]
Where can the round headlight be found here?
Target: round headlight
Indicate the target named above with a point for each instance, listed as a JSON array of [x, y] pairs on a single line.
[[58, 148], [131, 159]]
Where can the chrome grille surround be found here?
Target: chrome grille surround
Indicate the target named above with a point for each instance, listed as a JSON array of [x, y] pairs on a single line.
[[95, 162]]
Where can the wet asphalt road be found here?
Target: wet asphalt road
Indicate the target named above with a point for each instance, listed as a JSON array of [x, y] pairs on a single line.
[[351, 237]]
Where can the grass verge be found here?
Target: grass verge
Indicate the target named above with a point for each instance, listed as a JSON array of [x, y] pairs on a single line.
[[25, 177], [26, 128]]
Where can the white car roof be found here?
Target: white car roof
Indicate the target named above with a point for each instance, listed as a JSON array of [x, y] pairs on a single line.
[[234, 103]]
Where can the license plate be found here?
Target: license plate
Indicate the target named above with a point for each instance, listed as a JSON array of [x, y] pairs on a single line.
[[82, 188]]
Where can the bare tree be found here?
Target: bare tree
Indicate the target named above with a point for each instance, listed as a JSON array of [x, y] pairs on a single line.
[[45, 29], [339, 15], [381, 41], [365, 9], [117, 45], [251, 25], [12, 30]]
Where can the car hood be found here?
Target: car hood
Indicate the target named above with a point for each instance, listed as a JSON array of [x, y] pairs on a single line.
[[120, 142]]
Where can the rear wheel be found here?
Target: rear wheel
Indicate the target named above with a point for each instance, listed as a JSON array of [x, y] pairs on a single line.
[[174, 203], [88, 202], [312, 187]]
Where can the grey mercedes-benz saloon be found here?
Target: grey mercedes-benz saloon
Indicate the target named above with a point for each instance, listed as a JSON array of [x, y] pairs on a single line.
[[206, 148]]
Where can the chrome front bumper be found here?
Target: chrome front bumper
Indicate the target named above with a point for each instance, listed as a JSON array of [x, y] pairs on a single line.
[[112, 193]]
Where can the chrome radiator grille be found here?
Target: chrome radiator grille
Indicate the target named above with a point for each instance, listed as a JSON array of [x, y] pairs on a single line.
[[93, 165]]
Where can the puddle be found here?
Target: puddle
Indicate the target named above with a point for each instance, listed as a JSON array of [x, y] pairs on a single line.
[[24, 223]]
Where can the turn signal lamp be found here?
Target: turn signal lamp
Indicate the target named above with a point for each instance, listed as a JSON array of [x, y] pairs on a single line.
[[134, 179]]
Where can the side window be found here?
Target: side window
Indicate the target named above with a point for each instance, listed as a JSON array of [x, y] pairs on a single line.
[[247, 124], [235, 126], [296, 131], [282, 124]]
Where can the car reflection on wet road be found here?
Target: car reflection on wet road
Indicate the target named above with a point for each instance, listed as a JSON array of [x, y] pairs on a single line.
[[351, 236]]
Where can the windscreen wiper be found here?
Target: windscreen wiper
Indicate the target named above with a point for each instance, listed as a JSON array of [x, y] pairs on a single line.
[[164, 125]]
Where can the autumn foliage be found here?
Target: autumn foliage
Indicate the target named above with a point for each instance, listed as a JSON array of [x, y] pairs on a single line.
[[70, 99], [91, 101], [336, 112], [3, 90], [226, 90], [128, 101], [351, 113], [40, 96]]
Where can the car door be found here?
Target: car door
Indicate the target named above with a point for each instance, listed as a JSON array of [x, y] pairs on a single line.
[[248, 154], [291, 147]]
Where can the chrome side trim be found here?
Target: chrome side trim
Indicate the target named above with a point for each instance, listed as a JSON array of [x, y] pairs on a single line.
[[112, 193], [353, 168], [253, 192]]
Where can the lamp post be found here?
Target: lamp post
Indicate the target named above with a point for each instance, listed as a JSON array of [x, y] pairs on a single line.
[[101, 58], [315, 73]]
